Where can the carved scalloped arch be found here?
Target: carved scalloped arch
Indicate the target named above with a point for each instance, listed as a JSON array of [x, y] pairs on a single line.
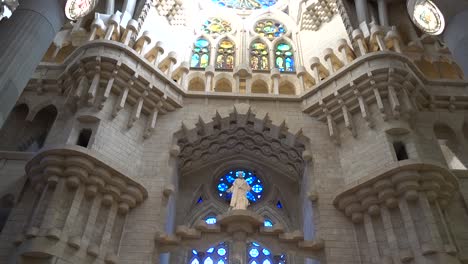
[[241, 133]]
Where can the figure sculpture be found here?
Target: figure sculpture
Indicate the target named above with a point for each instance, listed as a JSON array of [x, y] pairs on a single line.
[[239, 190]]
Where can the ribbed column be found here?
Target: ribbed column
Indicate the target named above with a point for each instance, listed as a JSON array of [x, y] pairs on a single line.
[[25, 37]]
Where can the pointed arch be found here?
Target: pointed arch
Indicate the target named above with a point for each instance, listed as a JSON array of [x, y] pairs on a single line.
[[259, 55], [225, 53], [260, 86], [201, 52], [284, 57], [286, 87]]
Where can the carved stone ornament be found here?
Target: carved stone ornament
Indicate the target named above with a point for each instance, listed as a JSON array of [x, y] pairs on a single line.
[[7, 7]]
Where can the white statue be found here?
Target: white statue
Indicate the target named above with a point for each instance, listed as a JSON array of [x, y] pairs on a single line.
[[239, 190]]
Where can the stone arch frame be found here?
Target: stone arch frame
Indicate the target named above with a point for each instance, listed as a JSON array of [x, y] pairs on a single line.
[[285, 84], [267, 43], [242, 117], [293, 46], [263, 81], [231, 37], [196, 76], [206, 14], [211, 49], [213, 204], [274, 14], [226, 77]]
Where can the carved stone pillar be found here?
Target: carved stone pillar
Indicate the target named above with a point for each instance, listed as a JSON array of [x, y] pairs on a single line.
[[26, 36]]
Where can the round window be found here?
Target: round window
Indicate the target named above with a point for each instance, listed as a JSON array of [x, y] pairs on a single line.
[[226, 181]]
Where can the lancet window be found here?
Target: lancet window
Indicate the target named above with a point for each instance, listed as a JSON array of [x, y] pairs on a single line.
[[200, 54], [216, 26], [245, 4], [269, 29], [259, 56], [284, 57], [225, 55], [215, 255], [257, 254], [226, 181]]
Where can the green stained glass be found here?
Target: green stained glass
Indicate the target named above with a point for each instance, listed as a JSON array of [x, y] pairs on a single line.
[[216, 26], [270, 29], [259, 56], [284, 57], [200, 54]]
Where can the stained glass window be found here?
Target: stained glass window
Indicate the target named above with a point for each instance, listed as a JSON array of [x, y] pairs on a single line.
[[270, 29], [226, 181], [215, 255], [284, 57], [245, 4], [200, 54], [211, 220], [268, 223], [257, 254], [216, 26], [259, 56], [225, 55]]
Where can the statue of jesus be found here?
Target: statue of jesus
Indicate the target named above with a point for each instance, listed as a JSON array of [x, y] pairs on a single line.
[[239, 191]]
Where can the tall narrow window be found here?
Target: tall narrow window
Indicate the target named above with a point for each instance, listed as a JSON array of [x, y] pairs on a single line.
[[400, 150], [84, 137], [200, 54], [284, 57], [225, 55], [259, 56]]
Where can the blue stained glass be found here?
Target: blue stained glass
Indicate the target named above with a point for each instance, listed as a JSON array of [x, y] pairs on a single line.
[[257, 188], [202, 43], [254, 253], [268, 223], [279, 205], [217, 254], [230, 179], [258, 254], [221, 252], [210, 220], [251, 197], [222, 187], [226, 181], [200, 200], [245, 4], [284, 58], [200, 54]]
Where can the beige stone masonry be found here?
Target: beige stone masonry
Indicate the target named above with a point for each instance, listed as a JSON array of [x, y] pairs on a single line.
[[72, 181]]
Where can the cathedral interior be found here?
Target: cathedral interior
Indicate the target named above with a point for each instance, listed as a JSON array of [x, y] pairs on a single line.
[[233, 131]]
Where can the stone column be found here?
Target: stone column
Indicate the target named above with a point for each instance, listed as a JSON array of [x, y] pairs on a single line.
[[275, 76], [383, 13], [110, 7], [25, 37], [456, 38], [362, 11]]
